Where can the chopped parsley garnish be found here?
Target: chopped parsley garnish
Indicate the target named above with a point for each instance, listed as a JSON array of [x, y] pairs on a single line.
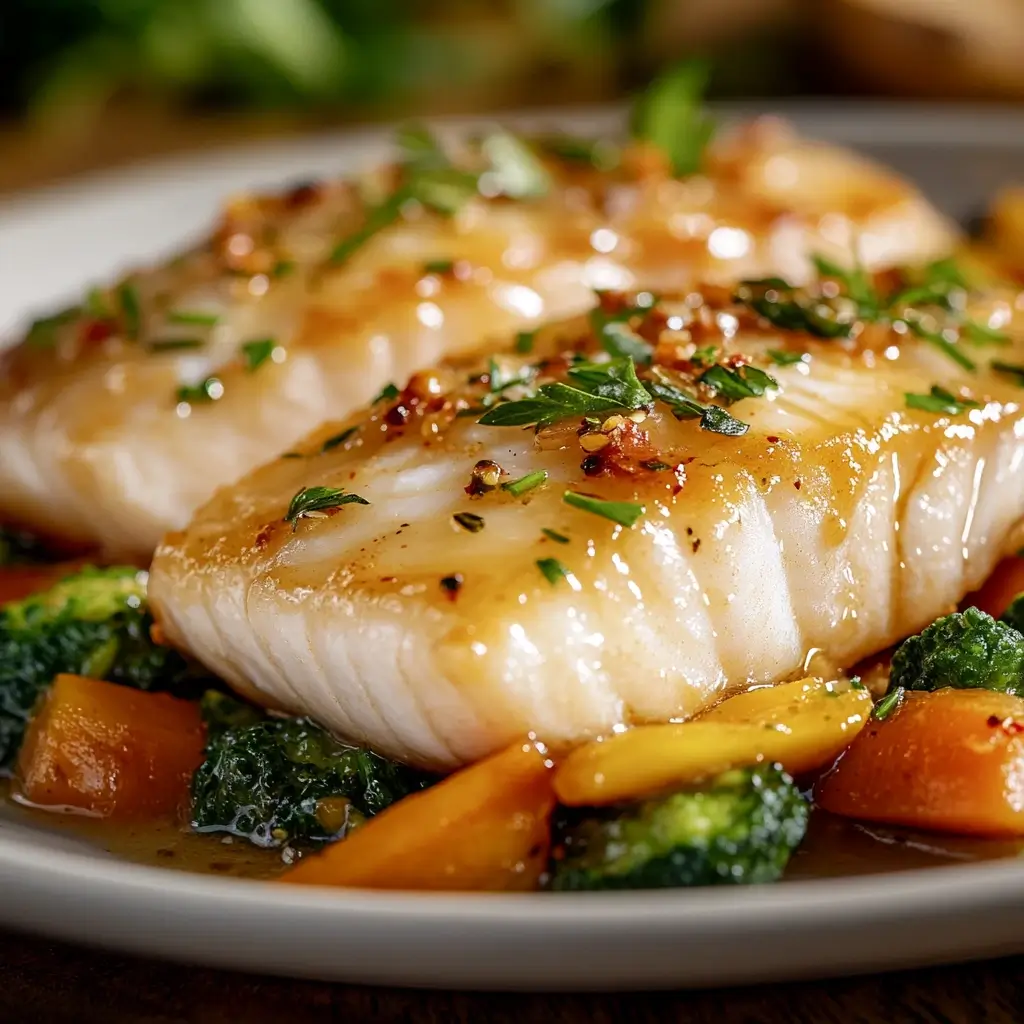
[[97, 304], [175, 344], [784, 306], [595, 388], [600, 154], [942, 343], [500, 380], [685, 407], [981, 334], [553, 570], [338, 439], [558, 538], [311, 501], [190, 318], [438, 266], [524, 342], [1015, 370], [616, 336], [469, 521], [855, 281], [388, 393], [939, 400], [43, 332], [625, 513], [671, 116], [256, 353], [780, 358], [889, 703], [517, 488], [131, 308], [209, 390], [514, 169], [744, 382]]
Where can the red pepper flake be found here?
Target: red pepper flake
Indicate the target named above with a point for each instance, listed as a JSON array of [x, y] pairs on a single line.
[[772, 439], [1008, 724], [796, 484], [303, 194], [452, 585], [94, 331]]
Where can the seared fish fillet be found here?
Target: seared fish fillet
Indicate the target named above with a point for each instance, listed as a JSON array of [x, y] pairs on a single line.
[[487, 589], [119, 418]]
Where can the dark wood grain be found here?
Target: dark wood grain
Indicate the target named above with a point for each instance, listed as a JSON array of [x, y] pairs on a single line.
[[53, 983]]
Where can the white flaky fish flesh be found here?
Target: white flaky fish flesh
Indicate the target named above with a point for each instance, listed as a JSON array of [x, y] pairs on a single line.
[[120, 417], [541, 543]]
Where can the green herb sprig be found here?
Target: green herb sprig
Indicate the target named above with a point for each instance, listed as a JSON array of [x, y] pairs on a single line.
[[312, 500]]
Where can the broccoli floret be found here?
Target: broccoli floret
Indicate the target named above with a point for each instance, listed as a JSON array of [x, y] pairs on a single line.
[[94, 623], [966, 650], [740, 828], [285, 780]]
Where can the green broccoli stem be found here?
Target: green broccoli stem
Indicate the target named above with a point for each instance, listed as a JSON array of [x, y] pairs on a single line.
[[739, 828]]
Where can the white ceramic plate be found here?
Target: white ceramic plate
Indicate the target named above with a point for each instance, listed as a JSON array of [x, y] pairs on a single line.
[[55, 242]]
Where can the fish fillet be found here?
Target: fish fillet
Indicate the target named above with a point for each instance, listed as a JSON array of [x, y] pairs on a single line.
[[444, 618], [99, 446]]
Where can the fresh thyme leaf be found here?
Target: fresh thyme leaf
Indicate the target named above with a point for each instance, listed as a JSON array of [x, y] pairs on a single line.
[[388, 393], [311, 500], [524, 342], [438, 266], [625, 513], [596, 388], [553, 570], [707, 355], [942, 343], [97, 305], [209, 390], [600, 154], [558, 538], [981, 334], [718, 421], [889, 703], [514, 168], [781, 358], [781, 305], [671, 116], [856, 283], [256, 353], [939, 400], [746, 382], [175, 344], [469, 521], [377, 218], [131, 308], [519, 487], [43, 332], [1015, 370], [192, 318], [618, 338], [338, 439], [686, 407]]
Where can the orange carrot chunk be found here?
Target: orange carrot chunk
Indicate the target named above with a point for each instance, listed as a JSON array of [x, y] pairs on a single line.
[[109, 750], [483, 828], [996, 593], [946, 761]]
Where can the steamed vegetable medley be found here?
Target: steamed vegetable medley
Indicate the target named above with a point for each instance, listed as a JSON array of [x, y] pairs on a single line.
[[98, 717]]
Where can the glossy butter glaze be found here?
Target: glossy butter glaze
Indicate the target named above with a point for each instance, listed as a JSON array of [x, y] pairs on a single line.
[[96, 448], [840, 522]]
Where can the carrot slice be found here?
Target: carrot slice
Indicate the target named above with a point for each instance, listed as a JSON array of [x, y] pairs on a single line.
[[483, 828], [109, 750], [947, 761]]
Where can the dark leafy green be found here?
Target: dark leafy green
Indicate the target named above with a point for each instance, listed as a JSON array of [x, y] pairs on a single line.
[[277, 781]]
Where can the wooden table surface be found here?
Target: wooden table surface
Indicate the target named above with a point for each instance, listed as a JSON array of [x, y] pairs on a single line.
[[52, 983]]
